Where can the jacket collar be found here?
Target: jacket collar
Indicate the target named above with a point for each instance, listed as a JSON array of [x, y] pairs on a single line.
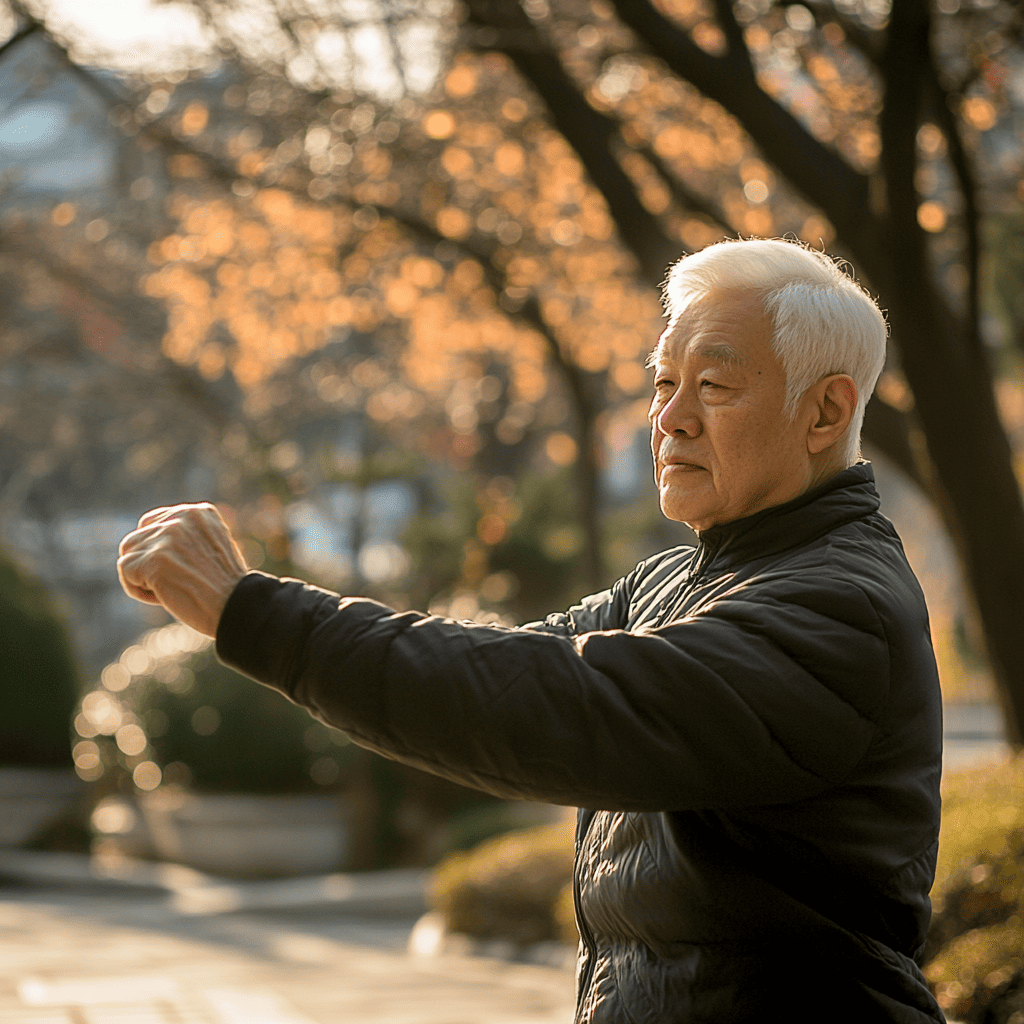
[[847, 496]]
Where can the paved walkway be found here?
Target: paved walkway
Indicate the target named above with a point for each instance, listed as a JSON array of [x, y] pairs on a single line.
[[114, 956]]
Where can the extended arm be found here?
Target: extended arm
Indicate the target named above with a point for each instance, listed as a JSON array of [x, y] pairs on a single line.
[[714, 710], [709, 712]]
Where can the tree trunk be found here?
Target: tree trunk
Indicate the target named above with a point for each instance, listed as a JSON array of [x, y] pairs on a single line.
[[947, 370]]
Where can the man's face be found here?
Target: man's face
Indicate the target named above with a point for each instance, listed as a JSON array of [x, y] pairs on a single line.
[[723, 447]]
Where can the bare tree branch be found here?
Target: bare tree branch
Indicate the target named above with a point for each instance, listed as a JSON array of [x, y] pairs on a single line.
[[961, 163], [591, 133], [818, 172], [684, 196], [133, 312], [396, 50], [868, 43], [725, 15]]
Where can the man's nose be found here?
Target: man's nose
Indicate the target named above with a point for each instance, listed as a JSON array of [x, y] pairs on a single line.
[[677, 416]]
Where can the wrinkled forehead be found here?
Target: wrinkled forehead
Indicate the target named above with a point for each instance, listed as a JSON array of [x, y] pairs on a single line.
[[729, 328]]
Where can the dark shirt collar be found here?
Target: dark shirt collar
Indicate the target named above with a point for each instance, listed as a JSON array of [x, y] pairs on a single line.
[[847, 496]]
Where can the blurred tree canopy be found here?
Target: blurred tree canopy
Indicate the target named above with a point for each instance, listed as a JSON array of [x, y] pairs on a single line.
[[424, 240]]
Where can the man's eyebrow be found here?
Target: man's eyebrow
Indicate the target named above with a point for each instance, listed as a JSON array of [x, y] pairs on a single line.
[[718, 351], [721, 353]]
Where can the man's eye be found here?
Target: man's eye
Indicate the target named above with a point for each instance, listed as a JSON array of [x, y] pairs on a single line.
[[705, 383]]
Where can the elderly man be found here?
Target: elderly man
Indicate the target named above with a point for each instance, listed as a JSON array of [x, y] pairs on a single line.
[[753, 725]]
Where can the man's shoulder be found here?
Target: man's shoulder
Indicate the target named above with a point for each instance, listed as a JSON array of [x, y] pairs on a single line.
[[866, 551], [862, 559]]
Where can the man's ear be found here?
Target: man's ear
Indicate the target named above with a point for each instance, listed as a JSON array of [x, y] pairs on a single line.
[[834, 400]]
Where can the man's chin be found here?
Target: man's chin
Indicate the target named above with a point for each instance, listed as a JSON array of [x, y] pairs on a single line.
[[681, 508]]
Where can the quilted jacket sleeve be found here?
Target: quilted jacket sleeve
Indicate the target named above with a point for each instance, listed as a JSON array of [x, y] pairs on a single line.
[[724, 709]]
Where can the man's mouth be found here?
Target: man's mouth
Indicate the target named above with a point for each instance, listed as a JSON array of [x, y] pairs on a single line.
[[680, 464]]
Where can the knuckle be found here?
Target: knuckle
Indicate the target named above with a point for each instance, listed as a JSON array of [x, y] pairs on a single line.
[[152, 515]]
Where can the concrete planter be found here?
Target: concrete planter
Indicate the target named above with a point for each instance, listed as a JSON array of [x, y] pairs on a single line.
[[31, 799], [247, 835]]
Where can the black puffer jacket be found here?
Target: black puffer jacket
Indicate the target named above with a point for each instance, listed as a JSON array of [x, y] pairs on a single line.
[[757, 722]]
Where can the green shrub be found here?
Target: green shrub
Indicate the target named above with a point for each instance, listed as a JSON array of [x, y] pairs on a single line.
[[169, 703], [974, 957], [39, 677], [168, 713], [516, 887]]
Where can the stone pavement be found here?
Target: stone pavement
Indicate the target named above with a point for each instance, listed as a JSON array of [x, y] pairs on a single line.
[[77, 954]]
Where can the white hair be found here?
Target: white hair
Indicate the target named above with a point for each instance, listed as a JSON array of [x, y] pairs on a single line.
[[823, 321]]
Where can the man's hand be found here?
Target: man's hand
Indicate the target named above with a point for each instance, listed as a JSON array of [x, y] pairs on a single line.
[[185, 559]]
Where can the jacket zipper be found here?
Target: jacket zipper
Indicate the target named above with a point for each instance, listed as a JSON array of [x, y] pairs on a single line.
[[698, 568], [701, 560], [586, 819]]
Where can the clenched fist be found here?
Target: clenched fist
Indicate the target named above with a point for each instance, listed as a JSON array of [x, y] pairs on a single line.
[[184, 558]]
